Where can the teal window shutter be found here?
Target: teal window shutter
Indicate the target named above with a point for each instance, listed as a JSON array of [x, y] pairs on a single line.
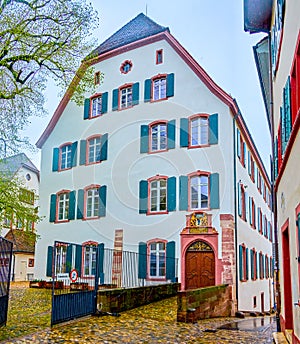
[[183, 193], [142, 265], [252, 263], [74, 153], [250, 210], [245, 153], [135, 93], [104, 102], [171, 194], [241, 262], [86, 109], [101, 262], [287, 109], [82, 157], [258, 219], [52, 216], [298, 226], [184, 132], [147, 90], [283, 131], [49, 261], [170, 261], [102, 198], [247, 202], [55, 159], [78, 259], [249, 163], [144, 140], [238, 143], [171, 134], [69, 258], [80, 204], [115, 99], [276, 157], [104, 144], [170, 85], [72, 198], [247, 264], [143, 199], [213, 129], [214, 191]]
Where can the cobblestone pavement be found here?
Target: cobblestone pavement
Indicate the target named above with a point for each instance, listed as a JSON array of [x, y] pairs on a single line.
[[154, 323]]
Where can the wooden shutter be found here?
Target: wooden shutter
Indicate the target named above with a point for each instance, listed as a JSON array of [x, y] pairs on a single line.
[[171, 194], [115, 99], [170, 85], [183, 193], [147, 90], [170, 261], [239, 196], [214, 191], [74, 154], [104, 102], [298, 227], [52, 216], [184, 132], [252, 263], [86, 109], [241, 262], [80, 204], [247, 202], [100, 263], [72, 198], [49, 261], [55, 159], [144, 139], [142, 265], [78, 259], [247, 263], [287, 109], [213, 129], [171, 134], [135, 93], [82, 157], [104, 144], [102, 200], [143, 197]]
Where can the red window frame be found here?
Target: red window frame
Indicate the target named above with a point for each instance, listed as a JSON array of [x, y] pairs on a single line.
[[60, 156], [295, 82], [88, 148], [86, 189], [149, 242], [57, 205], [194, 174], [190, 119], [153, 79], [150, 180], [96, 95], [129, 85], [97, 78], [159, 56], [84, 244], [150, 126]]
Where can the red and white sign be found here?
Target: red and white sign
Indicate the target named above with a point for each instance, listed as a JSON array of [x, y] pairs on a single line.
[[74, 275]]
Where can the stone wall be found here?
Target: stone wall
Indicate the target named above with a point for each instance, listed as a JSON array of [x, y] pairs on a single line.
[[209, 302], [118, 300]]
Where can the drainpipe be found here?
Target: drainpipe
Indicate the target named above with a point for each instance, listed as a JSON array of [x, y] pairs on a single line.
[[235, 207], [274, 198]]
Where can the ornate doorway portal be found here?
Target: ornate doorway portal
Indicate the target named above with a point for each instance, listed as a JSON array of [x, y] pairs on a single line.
[[200, 266]]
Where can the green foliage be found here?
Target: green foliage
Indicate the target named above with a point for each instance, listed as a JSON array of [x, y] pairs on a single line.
[[40, 39]]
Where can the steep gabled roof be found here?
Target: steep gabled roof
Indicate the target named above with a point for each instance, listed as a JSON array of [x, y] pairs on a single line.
[[10, 165], [138, 28], [23, 241]]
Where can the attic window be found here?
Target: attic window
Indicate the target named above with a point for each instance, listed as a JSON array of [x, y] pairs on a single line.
[[97, 78], [126, 67], [159, 56]]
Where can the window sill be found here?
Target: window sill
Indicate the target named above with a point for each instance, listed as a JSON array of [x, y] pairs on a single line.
[[157, 212], [158, 100], [61, 221], [199, 146]]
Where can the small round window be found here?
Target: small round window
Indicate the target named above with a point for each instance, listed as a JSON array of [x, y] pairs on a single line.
[[126, 67], [28, 176]]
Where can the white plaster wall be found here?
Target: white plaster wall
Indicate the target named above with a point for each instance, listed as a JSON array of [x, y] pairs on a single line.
[[19, 274]]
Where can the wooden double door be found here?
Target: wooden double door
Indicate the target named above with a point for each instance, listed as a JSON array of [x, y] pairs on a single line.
[[199, 266]]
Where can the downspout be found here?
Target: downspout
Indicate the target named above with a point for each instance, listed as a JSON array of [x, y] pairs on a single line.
[[235, 207], [274, 198]]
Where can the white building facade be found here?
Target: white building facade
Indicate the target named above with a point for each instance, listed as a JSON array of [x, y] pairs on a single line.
[[162, 153]]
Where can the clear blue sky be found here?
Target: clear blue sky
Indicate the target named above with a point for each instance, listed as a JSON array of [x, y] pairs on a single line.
[[212, 31]]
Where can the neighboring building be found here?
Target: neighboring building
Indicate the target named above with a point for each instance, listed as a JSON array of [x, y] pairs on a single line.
[[14, 227], [278, 62], [161, 156]]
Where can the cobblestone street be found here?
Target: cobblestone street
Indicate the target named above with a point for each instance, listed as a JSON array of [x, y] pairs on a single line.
[[154, 323]]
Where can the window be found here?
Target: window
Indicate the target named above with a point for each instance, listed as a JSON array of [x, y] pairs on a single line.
[[94, 149], [97, 78], [64, 157], [286, 116], [30, 262], [95, 106], [126, 67], [157, 136], [89, 259], [242, 196], [125, 96], [157, 263], [243, 263], [253, 262], [61, 258], [159, 56], [62, 206], [241, 148], [254, 302], [92, 202], [157, 195], [295, 83], [261, 266], [199, 131], [199, 192], [159, 87]]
